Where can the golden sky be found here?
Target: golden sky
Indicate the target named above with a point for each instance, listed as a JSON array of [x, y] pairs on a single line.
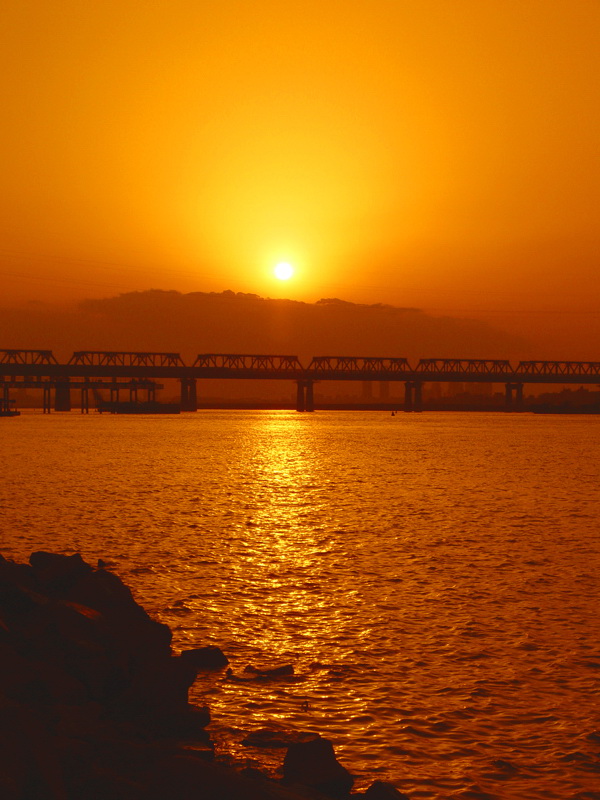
[[436, 153]]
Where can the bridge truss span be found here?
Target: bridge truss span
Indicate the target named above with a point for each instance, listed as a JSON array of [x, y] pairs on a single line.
[[106, 358], [27, 357], [252, 363], [464, 366], [558, 368], [358, 366]]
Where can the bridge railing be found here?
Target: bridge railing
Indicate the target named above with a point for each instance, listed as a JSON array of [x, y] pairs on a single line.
[[355, 364], [248, 362], [468, 366], [106, 358], [541, 368], [27, 357]]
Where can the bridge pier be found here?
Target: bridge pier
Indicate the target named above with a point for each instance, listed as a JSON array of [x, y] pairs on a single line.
[[47, 399], [300, 405], [517, 404], [62, 396], [310, 397], [189, 397], [413, 396], [418, 404], [305, 398], [520, 404], [85, 400], [408, 396]]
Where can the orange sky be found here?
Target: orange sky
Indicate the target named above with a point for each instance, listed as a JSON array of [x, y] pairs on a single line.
[[440, 153]]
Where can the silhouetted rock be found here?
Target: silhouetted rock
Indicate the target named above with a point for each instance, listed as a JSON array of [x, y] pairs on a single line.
[[159, 688], [253, 774], [268, 737], [271, 672], [19, 590], [380, 790], [186, 777], [313, 764], [105, 592], [209, 657], [94, 705], [56, 572]]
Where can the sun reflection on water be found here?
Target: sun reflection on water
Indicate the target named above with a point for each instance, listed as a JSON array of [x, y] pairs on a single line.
[[283, 554]]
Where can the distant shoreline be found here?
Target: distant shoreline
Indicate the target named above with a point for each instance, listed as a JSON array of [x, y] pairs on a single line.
[[265, 405]]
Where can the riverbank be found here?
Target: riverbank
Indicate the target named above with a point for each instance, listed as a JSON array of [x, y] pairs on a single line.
[[95, 703]]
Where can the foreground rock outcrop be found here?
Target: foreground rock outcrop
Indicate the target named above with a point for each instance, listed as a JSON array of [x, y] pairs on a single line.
[[94, 705]]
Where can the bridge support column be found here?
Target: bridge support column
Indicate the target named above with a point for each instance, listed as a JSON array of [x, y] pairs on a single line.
[[85, 400], [519, 398], [189, 398], [408, 396], [62, 396], [517, 404], [5, 400], [418, 402], [310, 397], [300, 403], [47, 399]]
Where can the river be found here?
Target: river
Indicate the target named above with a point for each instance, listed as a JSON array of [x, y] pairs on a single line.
[[433, 578]]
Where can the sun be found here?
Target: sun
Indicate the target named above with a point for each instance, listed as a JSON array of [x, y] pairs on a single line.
[[283, 271]]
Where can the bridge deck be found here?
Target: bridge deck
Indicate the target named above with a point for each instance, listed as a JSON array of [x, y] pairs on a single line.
[[115, 365]]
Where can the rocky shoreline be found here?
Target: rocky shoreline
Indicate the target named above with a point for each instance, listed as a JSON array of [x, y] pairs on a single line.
[[95, 704]]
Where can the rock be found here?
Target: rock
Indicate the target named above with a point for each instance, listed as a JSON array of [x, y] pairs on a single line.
[[268, 737], [159, 688], [381, 790], [273, 672], [188, 724], [19, 591], [75, 646], [93, 704], [29, 761], [106, 593], [253, 774], [57, 572], [189, 778], [210, 657], [313, 764]]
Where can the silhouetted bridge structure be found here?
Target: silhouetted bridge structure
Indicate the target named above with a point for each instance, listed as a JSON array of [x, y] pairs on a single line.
[[138, 371]]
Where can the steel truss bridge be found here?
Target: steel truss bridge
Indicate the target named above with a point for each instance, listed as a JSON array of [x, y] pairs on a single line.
[[119, 370]]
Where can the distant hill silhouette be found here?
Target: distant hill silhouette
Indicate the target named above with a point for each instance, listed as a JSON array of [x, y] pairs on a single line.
[[230, 322]]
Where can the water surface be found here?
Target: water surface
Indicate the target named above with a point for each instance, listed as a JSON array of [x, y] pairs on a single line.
[[433, 578]]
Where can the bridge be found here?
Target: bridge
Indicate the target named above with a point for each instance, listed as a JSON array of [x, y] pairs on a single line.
[[117, 371]]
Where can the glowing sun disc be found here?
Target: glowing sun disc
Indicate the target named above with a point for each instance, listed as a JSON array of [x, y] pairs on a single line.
[[283, 271]]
